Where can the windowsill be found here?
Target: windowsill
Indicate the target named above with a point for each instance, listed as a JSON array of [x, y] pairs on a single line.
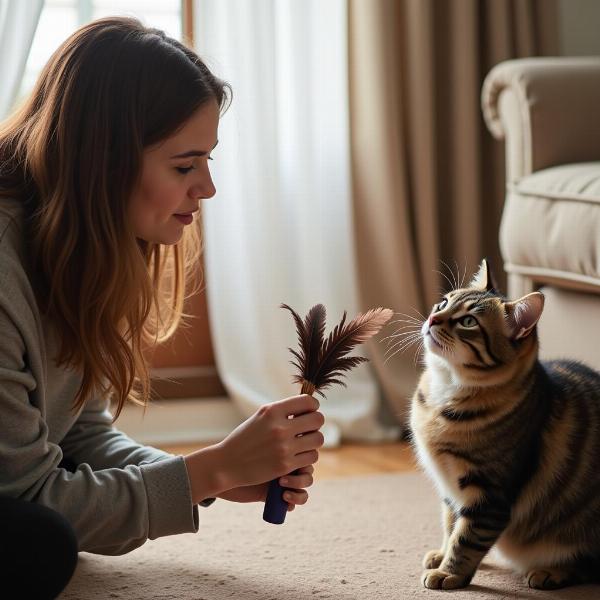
[[186, 382], [179, 421]]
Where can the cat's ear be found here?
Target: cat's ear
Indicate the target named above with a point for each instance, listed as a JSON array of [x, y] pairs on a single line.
[[523, 314], [484, 280]]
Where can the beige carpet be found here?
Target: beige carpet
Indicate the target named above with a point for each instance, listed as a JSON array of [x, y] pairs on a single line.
[[358, 538]]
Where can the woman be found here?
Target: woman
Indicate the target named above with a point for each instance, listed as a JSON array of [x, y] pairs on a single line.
[[101, 172]]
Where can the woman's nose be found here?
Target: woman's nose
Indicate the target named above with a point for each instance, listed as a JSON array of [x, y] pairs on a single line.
[[207, 192], [205, 188]]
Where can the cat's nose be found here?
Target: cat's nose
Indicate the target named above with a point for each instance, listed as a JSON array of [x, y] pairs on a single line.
[[433, 320]]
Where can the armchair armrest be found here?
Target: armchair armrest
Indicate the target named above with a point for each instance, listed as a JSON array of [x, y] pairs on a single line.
[[548, 109]]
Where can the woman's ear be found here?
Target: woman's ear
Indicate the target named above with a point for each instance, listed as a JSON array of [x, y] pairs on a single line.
[[522, 315], [484, 280]]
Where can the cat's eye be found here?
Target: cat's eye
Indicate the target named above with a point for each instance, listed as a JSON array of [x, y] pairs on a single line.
[[468, 321], [442, 305]]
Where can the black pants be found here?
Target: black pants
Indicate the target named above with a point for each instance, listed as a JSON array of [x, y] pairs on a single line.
[[38, 549]]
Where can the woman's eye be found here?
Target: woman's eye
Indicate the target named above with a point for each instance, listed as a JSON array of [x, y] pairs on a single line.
[[184, 170], [442, 305], [468, 321]]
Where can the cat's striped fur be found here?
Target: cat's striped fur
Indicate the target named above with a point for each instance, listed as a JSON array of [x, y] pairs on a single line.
[[512, 443]]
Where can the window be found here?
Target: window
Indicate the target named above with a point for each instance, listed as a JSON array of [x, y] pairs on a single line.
[[60, 18]]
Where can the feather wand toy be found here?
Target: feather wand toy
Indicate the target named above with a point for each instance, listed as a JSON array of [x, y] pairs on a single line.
[[321, 363]]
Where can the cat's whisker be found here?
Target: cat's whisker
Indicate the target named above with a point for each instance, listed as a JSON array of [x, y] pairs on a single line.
[[464, 275], [458, 274], [407, 343], [401, 344], [419, 313], [446, 337], [390, 357], [407, 318], [455, 284], [452, 286], [405, 335], [411, 322], [394, 339], [419, 353], [410, 316], [412, 327], [401, 347], [446, 278], [404, 329]]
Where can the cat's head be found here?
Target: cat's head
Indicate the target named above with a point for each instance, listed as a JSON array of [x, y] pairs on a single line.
[[478, 333]]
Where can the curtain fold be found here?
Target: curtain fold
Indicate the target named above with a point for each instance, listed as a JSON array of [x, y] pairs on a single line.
[[280, 228], [428, 180], [18, 22]]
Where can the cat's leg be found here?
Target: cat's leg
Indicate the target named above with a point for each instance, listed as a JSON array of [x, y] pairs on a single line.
[[475, 532], [433, 558]]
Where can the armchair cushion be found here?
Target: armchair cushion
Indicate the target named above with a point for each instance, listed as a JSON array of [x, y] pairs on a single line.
[[551, 226], [546, 108]]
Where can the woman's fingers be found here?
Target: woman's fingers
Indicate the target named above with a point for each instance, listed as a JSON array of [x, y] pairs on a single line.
[[295, 405], [307, 423], [309, 441], [295, 496], [305, 458], [308, 469], [300, 481]]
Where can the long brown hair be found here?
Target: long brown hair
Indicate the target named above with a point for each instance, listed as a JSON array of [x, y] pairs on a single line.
[[73, 155]]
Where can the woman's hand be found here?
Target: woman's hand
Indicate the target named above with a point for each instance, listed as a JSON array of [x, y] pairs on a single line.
[[294, 492], [276, 440]]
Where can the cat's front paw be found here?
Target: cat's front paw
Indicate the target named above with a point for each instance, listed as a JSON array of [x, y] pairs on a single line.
[[436, 579], [433, 559], [549, 578]]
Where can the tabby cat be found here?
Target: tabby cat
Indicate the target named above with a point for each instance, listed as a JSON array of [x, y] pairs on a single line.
[[512, 443]]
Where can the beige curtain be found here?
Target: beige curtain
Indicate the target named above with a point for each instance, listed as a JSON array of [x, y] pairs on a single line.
[[428, 178]]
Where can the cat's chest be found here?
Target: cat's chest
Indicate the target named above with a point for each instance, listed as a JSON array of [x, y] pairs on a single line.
[[441, 389], [445, 474], [440, 453], [444, 470]]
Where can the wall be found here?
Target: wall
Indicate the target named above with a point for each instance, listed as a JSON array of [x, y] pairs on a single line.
[[579, 27]]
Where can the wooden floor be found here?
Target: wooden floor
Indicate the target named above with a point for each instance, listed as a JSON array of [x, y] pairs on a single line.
[[351, 459]]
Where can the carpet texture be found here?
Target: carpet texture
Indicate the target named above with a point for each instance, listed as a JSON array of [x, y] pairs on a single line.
[[357, 538]]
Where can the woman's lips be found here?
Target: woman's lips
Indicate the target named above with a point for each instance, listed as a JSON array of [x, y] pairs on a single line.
[[185, 219]]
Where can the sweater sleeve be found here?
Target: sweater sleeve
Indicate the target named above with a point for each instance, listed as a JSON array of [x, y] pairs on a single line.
[[94, 440], [114, 504]]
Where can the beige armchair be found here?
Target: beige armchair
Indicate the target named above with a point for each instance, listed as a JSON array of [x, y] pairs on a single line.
[[548, 112]]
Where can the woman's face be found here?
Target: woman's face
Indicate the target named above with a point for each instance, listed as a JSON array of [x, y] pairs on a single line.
[[175, 176]]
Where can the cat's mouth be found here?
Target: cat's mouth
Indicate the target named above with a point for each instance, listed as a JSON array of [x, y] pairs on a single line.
[[432, 337]]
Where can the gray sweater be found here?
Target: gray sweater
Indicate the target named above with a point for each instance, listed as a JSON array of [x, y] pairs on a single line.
[[122, 493]]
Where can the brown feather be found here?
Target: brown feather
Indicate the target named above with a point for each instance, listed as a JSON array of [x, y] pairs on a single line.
[[322, 363], [310, 337]]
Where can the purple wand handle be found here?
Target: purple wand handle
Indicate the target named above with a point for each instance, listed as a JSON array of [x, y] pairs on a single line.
[[275, 506]]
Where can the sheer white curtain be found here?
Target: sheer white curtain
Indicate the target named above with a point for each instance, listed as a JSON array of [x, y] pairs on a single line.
[[279, 229], [18, 21]]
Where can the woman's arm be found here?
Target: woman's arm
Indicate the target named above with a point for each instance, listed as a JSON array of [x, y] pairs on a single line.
[[93, 439], [113, 510]]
